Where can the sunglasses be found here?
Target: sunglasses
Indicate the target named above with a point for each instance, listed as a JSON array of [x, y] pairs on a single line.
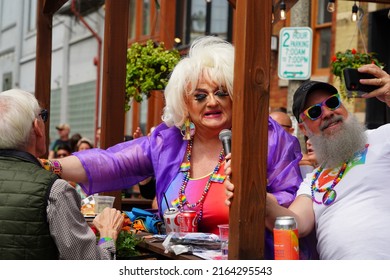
[[44, 115], [315, 111]]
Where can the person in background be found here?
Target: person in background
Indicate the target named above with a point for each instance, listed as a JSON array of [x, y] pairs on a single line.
[[98, 132], [84, 144], [184, 153], [305, 165], [63, 150], [74, 139], [39, 212], [63, 132], [346, 199], [311, 156], [284, 120]]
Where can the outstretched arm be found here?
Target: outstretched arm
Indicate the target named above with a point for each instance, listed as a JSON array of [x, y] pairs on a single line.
[[72, 169]]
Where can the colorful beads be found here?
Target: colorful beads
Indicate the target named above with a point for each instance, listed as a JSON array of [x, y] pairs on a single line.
[[330, 194], [186, 168]]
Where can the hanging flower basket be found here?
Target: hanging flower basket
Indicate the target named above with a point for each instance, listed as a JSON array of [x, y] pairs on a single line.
[[148, 68], [350, 59]]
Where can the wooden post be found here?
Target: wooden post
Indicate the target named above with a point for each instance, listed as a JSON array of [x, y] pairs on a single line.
[[43, 60], [252, 41], [45, 11], [114, 77]]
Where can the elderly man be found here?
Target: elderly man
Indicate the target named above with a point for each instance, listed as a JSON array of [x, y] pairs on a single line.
[[39, 213], [347, 196]]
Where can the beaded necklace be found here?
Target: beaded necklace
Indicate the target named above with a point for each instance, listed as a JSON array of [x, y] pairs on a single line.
[[330, 194], [185, 168]]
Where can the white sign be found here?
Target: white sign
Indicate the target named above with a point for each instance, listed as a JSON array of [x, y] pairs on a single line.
[[295, 51]]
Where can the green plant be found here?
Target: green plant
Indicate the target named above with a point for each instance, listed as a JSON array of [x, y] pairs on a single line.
[[126, 244], [148, 68], [350, 59]]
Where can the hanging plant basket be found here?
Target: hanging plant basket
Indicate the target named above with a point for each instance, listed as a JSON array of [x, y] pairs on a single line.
[[148, 68], [350, 59]]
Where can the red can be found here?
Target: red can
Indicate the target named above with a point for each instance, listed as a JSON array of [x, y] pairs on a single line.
[[188, 220]]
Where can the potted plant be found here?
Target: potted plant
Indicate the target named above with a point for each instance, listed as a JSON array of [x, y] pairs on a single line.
[[350, 59], [148, 68]]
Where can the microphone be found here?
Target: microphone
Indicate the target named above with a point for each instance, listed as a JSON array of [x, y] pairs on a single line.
[[226, 138]]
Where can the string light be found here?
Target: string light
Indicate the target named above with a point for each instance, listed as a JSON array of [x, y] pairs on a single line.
[[282, 10], [354, 12], [331, 6]]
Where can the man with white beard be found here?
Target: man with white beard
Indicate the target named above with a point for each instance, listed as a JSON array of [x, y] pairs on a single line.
[[348, 191], [346, 198]]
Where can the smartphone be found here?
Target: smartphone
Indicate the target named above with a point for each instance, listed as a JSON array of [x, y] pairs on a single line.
[[352, 77]]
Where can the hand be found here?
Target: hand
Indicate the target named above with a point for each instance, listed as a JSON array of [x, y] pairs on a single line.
[[229, 187], [382, 79], [137, 133], [109, 222]]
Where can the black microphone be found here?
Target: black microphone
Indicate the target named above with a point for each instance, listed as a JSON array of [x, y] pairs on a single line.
[[226, 137]]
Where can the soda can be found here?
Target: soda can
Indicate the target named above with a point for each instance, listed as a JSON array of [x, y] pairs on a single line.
[[171, 220], [286, 246], [188, 221]]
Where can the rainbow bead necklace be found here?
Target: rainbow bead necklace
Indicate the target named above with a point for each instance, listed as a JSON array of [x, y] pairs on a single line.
[[330, 194], [214, 177]]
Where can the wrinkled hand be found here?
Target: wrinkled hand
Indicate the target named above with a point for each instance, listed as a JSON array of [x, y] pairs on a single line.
[[382, 79], [109, 222], [229, 187]]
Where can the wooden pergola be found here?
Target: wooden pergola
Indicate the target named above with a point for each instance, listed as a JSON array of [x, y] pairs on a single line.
[[251, 98]]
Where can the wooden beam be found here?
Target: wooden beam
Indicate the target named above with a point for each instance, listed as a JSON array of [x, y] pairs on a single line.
[[43, 60], [250, 128], [52, 6], [114, 77]]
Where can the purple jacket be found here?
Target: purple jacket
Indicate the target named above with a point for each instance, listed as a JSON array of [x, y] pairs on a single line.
[[161, 154]]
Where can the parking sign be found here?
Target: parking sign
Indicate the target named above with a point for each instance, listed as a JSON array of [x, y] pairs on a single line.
[[295, 51]]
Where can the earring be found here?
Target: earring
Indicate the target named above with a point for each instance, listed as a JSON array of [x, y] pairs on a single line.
[[187, 129]]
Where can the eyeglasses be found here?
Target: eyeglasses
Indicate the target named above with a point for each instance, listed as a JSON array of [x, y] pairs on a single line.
[[44, 115], [315, 111]]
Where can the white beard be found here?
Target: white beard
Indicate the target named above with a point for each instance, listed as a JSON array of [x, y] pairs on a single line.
[[332, 150]]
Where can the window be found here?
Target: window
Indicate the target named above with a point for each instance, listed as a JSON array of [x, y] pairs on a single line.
[[143, 19], [198, 17], [7, 81], [322, 37], [32, 15]]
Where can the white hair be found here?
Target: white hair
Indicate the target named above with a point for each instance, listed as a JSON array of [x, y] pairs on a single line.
[[333, 150], [210, 56], [18, 109]]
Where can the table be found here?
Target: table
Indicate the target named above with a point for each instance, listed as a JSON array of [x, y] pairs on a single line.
[[151, 245]]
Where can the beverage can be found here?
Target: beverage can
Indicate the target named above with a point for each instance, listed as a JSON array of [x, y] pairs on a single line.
[[286, 246], [171, 220], [188, 221]]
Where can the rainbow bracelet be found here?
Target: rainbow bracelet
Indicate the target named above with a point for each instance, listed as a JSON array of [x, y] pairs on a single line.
[[53, 166], [104, 240]]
